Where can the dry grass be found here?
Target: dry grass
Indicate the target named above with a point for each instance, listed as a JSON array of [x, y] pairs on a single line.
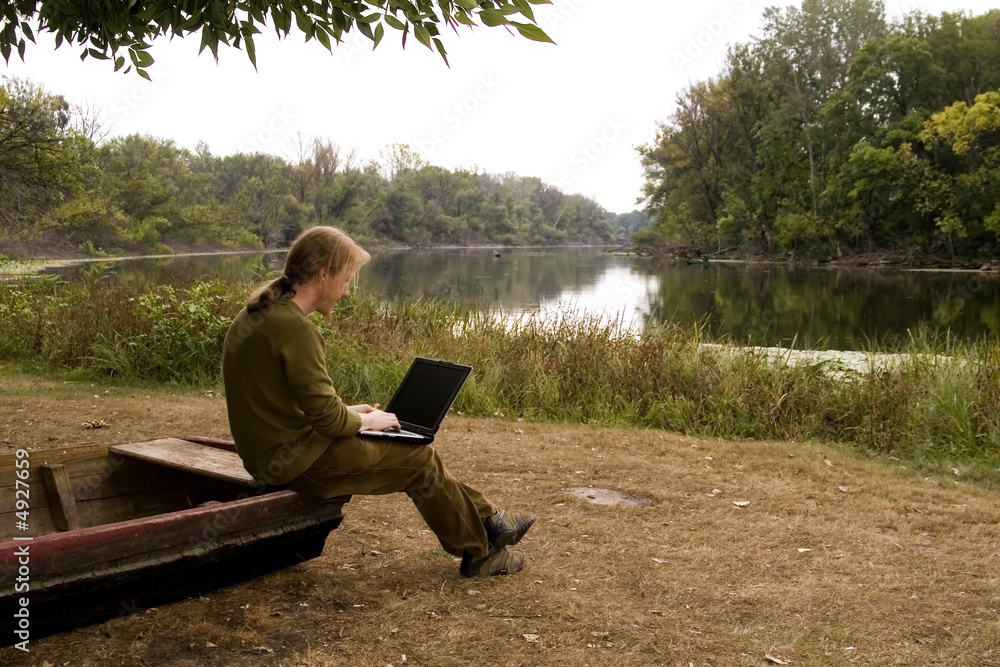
[[891, 569]]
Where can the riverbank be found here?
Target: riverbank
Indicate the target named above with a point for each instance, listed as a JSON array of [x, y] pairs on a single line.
[[21, 262], [908, 261], [803, 552], [55, 254], [844, 365]]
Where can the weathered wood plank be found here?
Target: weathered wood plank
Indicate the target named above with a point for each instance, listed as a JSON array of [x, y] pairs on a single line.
[[92, 454], [63, 552], [36, 496], [133, 506], [95, 475], [219, 443], [189, 457], [39, 523], [62, 503]]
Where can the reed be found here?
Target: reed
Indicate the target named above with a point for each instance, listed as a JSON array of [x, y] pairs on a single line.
[[936, 405]]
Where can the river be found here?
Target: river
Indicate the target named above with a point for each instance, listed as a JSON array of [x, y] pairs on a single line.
[[759, 304]]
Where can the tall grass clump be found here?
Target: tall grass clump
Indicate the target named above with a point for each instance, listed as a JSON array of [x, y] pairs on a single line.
[[149, 332], [938, 399]]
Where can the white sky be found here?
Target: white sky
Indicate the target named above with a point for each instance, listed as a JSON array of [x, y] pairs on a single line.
[[570, 114]]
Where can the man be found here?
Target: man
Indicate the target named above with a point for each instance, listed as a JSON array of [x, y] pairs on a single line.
[[292, 430]]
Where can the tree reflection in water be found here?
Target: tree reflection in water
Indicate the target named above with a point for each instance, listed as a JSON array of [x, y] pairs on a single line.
[[822, 308]]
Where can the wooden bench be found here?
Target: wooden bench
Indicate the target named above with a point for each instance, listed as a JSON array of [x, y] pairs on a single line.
[[190, 457]]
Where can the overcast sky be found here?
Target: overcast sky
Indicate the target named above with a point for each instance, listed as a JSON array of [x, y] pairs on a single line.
[[570, 114]]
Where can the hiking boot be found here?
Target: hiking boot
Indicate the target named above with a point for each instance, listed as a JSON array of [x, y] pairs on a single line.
[[505, 527], [498, 561]]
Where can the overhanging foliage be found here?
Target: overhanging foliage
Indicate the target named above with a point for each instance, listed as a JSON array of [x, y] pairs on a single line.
[[106, 27]]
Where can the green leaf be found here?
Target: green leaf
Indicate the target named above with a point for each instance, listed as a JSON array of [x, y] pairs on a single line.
[[371, 18], [420, 32], [142, 73], [532, 32], [142, 59], [208, 38], [525, 9], [440, 48], [251, 49], [282, 21], [26, 29], [492, 17], [379, 33], [93, 52], [119, 62], [467, 4], [394, 22], [366, 30], [192, 21], [464, 18], [304, 23], [323, 38]]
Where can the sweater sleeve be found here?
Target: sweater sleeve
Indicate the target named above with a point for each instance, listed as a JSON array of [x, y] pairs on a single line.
[[303, 355]]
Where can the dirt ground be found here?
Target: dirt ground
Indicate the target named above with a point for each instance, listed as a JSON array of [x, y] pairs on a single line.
[[742, 554]]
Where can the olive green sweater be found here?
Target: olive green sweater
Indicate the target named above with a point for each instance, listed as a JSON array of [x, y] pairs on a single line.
[[283, 411]]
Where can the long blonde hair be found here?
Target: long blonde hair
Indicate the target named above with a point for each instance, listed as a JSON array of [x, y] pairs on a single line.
[[313, 250]]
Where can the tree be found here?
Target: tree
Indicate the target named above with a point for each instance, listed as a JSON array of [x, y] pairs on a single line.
[[683, 168], [40, 153], [964, 175], [815, 46], [105, 28]]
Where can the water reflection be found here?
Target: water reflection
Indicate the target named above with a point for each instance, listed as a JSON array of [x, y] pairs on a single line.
[[620, 294], [762, 304]]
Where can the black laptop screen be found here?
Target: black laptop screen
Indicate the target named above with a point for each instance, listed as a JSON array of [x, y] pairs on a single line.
[[426, 393]]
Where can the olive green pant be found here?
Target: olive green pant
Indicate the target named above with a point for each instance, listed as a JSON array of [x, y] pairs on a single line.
[[452, 510]]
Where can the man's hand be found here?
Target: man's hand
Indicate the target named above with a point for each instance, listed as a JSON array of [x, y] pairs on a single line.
[[373, 419], [364, 409]]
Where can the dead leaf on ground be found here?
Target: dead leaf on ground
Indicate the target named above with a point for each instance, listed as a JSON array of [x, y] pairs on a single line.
[[845, 489], [741, 503], [95, 423], [533, 639], [828, 462], [777, 661]]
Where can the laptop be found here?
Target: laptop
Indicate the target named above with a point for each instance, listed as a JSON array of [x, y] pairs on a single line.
[[422, 400]]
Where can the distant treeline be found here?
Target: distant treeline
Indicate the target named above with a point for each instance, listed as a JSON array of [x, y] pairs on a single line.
[[60, 184], [838, 133]]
